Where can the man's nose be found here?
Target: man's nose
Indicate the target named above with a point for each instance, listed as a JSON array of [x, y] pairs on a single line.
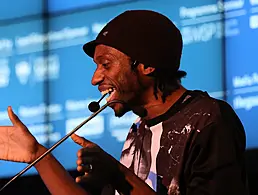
[[97, 78]]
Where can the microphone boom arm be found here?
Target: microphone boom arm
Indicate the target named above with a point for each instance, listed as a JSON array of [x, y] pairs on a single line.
[[60, 141]]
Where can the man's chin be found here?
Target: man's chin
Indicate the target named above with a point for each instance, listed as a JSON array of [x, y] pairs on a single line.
[[120, 110], [119, 114]]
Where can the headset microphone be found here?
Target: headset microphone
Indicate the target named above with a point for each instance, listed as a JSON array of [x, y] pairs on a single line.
[[95, 106], [140, 111]]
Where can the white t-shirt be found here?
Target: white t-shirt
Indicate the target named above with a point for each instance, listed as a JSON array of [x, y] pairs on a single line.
[[127, 159]]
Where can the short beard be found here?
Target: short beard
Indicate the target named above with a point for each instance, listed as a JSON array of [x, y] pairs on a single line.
[[122, 111]]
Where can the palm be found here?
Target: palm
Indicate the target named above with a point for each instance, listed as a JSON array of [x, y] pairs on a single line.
[[16, 142]]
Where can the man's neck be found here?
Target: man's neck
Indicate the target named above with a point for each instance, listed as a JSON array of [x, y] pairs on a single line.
[[155, 107]]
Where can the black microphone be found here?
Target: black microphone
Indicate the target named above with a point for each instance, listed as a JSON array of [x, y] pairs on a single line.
[[94, 106], [140, 111]]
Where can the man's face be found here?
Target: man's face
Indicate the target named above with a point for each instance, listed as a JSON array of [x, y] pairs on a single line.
[[114, 73]]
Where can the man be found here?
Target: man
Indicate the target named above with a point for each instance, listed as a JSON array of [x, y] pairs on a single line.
[[188, 143]]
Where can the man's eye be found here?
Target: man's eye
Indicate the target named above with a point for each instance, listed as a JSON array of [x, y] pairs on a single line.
[[105, 65]]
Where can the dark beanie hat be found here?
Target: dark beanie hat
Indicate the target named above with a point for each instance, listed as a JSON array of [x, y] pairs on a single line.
[[146, 36]]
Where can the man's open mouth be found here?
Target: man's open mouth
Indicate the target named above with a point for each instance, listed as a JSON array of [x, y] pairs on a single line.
[[110, 91]]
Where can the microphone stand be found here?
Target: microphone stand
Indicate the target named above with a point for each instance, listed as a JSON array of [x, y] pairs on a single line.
[[60, 141]]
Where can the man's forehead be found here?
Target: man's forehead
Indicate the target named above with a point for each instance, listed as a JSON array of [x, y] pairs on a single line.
[[105, 51]]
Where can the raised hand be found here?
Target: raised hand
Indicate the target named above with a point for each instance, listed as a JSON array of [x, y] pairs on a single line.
[[98, 167], [16, 142]]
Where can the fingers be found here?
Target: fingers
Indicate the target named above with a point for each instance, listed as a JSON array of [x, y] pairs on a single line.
[[85, 164], [90, 179], [13, 117], [91, 149], [85, 168], [80, 140], [86, 160], [84, 178]]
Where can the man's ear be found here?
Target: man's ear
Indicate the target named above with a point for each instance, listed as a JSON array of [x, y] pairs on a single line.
[[145, 70]]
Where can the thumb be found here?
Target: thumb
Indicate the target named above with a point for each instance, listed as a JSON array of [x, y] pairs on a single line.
[[80, 140], [13, 117]]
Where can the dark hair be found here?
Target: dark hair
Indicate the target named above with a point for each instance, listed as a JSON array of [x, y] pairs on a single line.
[[164, 80]]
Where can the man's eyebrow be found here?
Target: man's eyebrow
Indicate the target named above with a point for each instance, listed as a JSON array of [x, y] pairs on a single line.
[[98, 58], [108, 55]]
